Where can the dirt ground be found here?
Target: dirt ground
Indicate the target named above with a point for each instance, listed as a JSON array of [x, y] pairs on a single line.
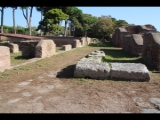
[[48, 86]]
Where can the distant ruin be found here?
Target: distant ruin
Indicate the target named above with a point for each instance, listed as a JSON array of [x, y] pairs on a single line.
[[133, 44], [40, 47], [140, 40], [117, 37]]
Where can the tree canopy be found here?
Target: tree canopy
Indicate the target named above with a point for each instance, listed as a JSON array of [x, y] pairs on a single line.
[[51, 20]]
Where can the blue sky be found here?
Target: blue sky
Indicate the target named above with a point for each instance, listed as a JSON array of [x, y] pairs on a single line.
[[133, 15]]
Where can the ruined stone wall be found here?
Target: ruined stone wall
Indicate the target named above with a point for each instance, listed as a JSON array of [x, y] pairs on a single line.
[[28, 49], [117, 38], [132, 29], [45, 48], [60, 41], [85, 40], [151, 50], [77, 43], [88, 40], [4, 58], [14, 48], [148, 26], [10, 39], [126, 43], [140, 29], [133, 44], [66, 47], [136, 44]]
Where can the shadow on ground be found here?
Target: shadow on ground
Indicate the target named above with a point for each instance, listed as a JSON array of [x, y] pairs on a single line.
[[22, 57], [67, 72], [119, 55]]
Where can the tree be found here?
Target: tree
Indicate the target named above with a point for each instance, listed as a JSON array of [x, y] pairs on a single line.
[[104, 27], [119, 23], [51, 20], [87, 22], [14, 22], [2, 18], [40, 9], [74, 13], [28, 18]]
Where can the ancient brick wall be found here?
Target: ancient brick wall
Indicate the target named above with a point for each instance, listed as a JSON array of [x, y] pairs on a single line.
[[14, 48], [117, 38], [4, 58], [28, 49], [151, 50], [126, 43], [136, 44], [133, 44], [88, 40], [45, 48], [60, 41], [66, 47], [85, 40], [77, 43], [10, 39], [132, 29]]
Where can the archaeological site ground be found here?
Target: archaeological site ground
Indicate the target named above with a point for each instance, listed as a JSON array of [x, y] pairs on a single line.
[[78, 75]]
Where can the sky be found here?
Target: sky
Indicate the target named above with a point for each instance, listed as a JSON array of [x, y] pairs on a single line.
[[132, 15]]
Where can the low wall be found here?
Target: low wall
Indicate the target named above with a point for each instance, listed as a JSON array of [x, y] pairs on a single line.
[[151, 50], [60, 41], [4, 58], [66, 47], [117, 38], [45, 48], [133, 44], [28, 49], [76, 43]]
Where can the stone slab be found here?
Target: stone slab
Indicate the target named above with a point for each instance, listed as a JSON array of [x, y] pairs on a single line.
[[129, 71]]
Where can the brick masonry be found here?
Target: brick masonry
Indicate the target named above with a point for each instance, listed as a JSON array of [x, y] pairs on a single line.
[[45, 48], [4, 58], [77, 43], [117, 37], [66, 47], [28, 49], [133, 44], [151, 50]]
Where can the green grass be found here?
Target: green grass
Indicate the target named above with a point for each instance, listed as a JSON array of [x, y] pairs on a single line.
[[116, 54], [120, 56], [82, 79], [17, 58], [58, 49], [4, 74], [22, 68]]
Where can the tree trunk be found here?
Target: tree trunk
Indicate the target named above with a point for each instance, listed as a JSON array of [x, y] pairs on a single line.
[[65, 28], [14, 23], [30, 32], [41, 20], [28, 19], [2, 18], [85, 33]]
